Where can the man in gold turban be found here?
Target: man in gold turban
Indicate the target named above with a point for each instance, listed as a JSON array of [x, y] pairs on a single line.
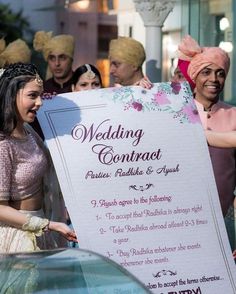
[[126, 57], [16, 51], [58, 52]]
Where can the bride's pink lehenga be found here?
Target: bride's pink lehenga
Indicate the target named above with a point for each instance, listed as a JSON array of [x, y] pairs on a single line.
[[28, 168]]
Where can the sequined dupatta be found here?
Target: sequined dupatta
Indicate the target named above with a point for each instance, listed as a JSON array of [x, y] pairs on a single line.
[[53, 205]]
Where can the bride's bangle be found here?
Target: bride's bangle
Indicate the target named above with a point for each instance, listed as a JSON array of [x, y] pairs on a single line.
[[46, 228], [35, 224]]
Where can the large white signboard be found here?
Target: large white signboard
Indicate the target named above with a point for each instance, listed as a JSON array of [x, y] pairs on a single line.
[[135, 172]]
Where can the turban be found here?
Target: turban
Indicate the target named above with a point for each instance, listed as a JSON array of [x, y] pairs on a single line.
[[200, 57], [47, 44], [16, 51], [127, 50], [183, 66]]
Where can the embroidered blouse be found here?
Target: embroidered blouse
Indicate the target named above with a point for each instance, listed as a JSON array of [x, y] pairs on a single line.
[[22, 166]]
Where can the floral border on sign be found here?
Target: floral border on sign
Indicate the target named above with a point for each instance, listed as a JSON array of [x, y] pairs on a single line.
[[165, 98]]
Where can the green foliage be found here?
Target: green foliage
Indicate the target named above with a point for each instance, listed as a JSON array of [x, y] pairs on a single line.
[[13, 25]]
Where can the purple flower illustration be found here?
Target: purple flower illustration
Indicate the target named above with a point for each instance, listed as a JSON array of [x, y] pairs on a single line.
[[138, 106], [176, 87], [160, 98], [191, 113]]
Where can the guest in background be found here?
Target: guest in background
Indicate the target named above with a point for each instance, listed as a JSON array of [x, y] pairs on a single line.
[[86, 77], [127, 56], [58, 52], [178, 75], [16, 51]]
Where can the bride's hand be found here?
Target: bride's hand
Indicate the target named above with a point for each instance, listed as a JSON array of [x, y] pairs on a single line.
[[64, 230]]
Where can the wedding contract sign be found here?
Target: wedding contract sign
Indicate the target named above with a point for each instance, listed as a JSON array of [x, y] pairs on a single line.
[[135, 172]]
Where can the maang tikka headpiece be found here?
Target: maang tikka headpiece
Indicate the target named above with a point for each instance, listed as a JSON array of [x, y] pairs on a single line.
[[21, 69], [89, 73], [38, 80]]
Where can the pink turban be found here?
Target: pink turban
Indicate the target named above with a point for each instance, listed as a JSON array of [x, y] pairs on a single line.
[[183, 66], [201, 57]]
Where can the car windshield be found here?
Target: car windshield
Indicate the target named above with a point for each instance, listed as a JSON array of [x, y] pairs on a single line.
[[65, 271]]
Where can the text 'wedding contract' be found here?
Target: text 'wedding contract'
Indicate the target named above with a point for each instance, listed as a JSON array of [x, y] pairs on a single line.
[[136, 176]]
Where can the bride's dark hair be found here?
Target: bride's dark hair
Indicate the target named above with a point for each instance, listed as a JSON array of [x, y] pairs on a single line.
[[12, 79]]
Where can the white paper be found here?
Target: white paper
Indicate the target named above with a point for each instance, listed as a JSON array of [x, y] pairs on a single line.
[[135, 172]]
